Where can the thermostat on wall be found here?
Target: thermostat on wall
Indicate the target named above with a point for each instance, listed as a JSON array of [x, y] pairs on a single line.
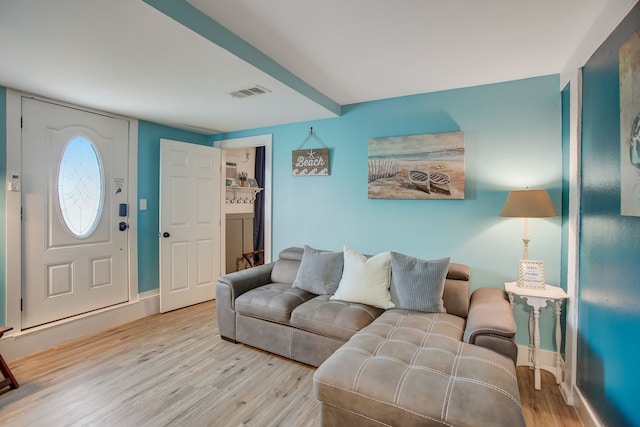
[[14, 182]]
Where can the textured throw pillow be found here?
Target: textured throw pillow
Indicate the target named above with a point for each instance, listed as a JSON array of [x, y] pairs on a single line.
[[365, 280], [319, 271], [418, 284]]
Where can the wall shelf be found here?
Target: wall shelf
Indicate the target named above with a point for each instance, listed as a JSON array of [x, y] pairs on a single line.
[[241, 195]]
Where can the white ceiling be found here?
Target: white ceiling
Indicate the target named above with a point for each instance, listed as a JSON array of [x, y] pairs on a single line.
[[129, 58]]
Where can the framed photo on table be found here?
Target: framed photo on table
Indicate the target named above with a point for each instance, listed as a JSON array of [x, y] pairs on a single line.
[[531, 274]]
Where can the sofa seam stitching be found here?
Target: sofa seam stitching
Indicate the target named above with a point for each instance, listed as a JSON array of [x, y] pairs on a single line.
[[385, 403]]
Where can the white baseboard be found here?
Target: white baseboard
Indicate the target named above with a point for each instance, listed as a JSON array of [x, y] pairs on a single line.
[[584, 410], [571, 393], [15, 345]]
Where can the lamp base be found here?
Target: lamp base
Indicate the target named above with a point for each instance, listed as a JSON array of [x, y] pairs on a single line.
[[526, 248]]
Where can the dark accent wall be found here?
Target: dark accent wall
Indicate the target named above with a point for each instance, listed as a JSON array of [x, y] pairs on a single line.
[[609, 280]]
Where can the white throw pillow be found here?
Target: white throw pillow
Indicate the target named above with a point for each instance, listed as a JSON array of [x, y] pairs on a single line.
[[365, 280]]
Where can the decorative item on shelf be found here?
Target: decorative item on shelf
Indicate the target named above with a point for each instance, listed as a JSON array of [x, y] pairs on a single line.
[[310, 162], [241, 195], [242, 179], [531, 274], [528, 204]]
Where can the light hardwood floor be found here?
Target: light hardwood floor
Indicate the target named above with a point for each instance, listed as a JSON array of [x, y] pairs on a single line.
[[173, 369]]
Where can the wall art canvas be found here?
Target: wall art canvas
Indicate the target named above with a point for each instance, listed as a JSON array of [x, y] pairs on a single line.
[[629, 56], [428, 166]]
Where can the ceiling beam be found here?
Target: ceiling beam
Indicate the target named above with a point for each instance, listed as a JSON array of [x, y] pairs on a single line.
[[184, 13]]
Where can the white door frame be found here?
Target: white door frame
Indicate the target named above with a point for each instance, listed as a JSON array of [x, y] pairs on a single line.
[[265, 141], [14, 202]]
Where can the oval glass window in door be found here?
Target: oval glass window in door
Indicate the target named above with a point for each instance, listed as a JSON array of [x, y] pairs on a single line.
[[80, 186]]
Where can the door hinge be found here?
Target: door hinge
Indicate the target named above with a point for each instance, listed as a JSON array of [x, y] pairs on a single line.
[[21, 121], [21, 213], [20, 304]]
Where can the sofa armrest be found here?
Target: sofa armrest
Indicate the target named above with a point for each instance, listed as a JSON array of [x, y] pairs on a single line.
[[491, 322], [242, 281], [231, 286]]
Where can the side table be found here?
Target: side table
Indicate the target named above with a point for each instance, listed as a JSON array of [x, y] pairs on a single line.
[[537, 299]]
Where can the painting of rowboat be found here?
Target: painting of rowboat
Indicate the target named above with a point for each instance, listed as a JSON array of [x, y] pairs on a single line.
[[428, 166]]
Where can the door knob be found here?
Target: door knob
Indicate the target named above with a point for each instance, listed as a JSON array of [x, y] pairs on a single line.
[[123, 226], [166, 234]]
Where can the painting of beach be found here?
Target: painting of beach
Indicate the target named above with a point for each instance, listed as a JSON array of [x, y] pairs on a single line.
[[629, 57], [428, 166]]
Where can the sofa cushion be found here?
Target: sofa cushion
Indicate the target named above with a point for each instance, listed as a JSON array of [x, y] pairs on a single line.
[[334, 319], [273, 302], [365, 280], [419, 283], [319, 271], [409, 368], [286, 267]]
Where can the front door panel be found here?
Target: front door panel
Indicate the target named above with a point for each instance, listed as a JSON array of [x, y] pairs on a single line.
[[74, 176]]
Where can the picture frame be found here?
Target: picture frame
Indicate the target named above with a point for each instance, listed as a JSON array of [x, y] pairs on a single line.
[[417, 167], [629, 77], [313, 162], [253, 183], [531, 274]]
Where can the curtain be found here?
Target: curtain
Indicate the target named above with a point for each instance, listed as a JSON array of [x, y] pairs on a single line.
[[258, 219]]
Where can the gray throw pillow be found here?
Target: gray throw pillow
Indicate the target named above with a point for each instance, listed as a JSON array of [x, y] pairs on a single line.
[[320, 272], [419, 283]]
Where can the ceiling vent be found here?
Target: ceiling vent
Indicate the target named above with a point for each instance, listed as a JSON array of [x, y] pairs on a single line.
[[245, 93]]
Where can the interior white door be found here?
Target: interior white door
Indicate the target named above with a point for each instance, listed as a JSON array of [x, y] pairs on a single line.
[[74, 176], [190, 179]]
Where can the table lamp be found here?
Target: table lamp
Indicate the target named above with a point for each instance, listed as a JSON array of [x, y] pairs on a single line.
[[528, 204]]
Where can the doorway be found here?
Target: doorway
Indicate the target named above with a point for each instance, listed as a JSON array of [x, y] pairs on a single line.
[[189, 223], [54, 332], [241, 216], [74, 188]]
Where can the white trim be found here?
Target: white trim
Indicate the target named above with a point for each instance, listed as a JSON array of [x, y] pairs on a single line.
[[584, 411], [23, 343], [13, 272], [265, 141], [573, 252], [132, 198]]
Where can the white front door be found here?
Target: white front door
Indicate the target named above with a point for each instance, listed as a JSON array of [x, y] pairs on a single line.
[[74, 177], [190, 246]]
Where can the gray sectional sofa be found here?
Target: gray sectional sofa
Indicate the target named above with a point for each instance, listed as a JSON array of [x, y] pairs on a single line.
[[377, 366]]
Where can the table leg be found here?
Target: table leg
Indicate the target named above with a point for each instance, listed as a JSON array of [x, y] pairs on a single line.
[[531, 337], [558, 342], [536, 342]]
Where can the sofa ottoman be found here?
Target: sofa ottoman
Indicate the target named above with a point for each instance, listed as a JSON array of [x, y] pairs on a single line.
[[410, 368]]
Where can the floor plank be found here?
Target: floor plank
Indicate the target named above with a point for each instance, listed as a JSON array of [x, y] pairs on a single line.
[[173, 369]]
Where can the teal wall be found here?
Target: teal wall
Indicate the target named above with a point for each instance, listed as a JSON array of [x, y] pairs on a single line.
[[609, 291], [149, 135], [3, 205], [513, 140]]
